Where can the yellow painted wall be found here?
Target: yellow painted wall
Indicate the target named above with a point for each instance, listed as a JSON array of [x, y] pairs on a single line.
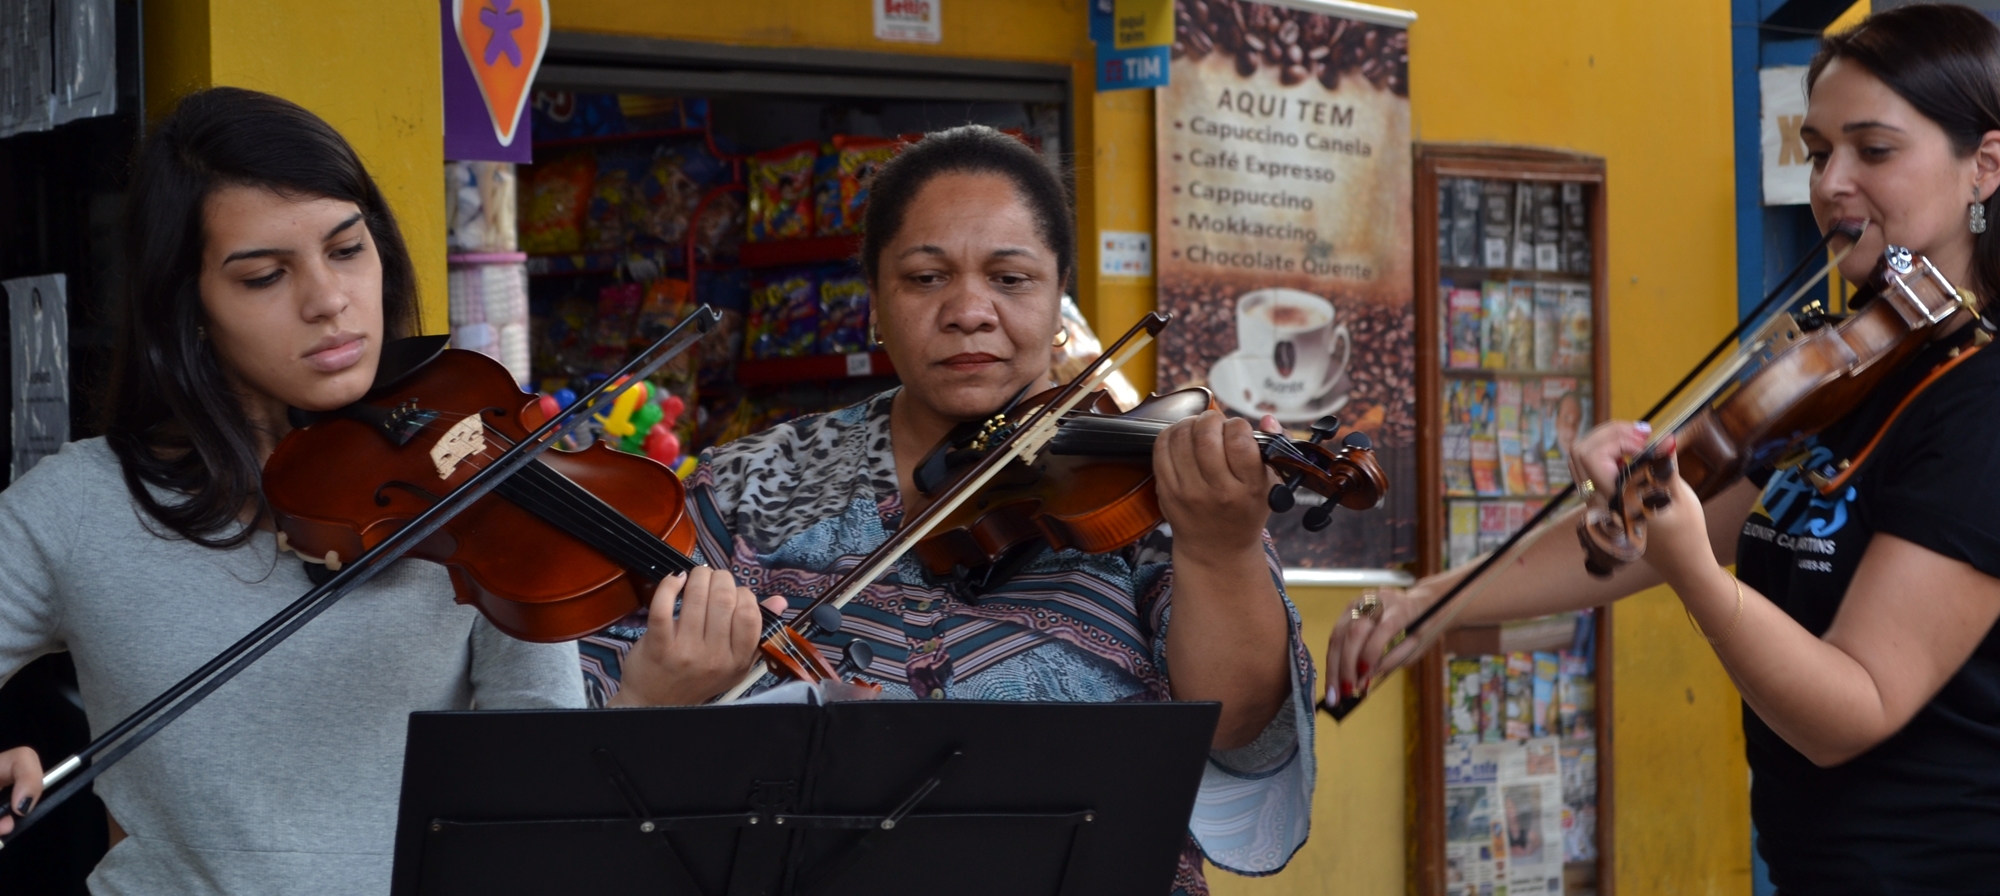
[[375, 76]]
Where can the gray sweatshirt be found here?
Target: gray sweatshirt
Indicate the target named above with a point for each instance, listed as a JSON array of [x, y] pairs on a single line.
[[285, 780]]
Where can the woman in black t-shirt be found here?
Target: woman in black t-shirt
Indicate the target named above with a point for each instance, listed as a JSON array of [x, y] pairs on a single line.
[[1859, 627]]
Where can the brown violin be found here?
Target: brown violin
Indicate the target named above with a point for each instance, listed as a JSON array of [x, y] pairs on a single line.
[[570, 544], [1794, 376], [1794, 373], [1092, 488], [443, 461]]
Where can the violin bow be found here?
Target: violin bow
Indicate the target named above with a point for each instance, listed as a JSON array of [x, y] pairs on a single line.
[[1532, 529], [1025, 442], [105, 751]]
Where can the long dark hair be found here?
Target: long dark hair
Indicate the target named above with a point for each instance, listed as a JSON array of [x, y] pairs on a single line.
[[1944, 60], [972, 149], [188, 452]]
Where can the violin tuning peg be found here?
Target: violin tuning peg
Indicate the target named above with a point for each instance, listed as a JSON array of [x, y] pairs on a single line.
[[859, 657], [1319, 517], [1281, 498], [1324, 428], [1358, 439], [826, 618]]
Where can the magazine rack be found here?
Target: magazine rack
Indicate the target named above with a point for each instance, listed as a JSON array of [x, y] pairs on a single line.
[[1528, 318]]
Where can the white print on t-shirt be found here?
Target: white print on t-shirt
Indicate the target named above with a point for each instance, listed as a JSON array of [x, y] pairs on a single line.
[[1794, 516]]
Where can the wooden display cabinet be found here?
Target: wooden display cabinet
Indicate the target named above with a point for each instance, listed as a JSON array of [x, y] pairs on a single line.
[[1557, 387]]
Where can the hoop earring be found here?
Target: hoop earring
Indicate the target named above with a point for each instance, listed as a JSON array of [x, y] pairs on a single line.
[[1976, 217], [1062, 338], [874, 335]]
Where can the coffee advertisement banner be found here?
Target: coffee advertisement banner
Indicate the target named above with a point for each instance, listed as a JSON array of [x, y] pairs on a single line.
[[1284, 238]]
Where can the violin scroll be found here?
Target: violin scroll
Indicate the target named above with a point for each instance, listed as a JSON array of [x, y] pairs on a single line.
[[1346, 477], [1614, 532]]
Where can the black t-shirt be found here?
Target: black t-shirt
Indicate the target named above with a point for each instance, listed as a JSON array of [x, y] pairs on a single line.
[[1919, 813]]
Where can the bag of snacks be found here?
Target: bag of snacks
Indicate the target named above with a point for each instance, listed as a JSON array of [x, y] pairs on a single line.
[[553, 205], [856, 159], [617, 312], [843, 314], [667, 301], [564, 115], [718, 228], [784, 316], [781, 198], [615, 202], [671, 187]]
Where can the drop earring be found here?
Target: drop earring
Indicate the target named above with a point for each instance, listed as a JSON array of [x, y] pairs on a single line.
[[1976, 216]]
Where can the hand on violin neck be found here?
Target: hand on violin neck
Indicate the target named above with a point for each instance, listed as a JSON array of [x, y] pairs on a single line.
[[689, 658], [1600, 455], [1677, 537], [1213, 486]]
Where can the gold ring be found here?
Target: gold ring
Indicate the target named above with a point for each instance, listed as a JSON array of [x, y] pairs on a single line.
[[1369, 607], [1588, 488]]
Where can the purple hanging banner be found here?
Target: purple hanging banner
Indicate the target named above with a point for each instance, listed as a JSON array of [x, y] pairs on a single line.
[[471, 133]]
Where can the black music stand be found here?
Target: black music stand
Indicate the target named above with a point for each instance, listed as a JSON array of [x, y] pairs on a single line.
[[880, 797]]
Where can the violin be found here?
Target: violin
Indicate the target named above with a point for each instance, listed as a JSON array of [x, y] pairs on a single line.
[[1795, 375], [345, 573], [573, 542], [1011, 452], [566, 547], [1092, 490]]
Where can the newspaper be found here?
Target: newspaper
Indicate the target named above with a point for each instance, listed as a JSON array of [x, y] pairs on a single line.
[[1503, 819]]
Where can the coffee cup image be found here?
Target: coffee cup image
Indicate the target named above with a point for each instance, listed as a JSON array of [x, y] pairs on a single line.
[[1291, 351]]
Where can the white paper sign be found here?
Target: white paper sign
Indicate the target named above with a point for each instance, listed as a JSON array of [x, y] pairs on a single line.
[[38, 318], [915, 21], [1787, 171], [1125, 253]]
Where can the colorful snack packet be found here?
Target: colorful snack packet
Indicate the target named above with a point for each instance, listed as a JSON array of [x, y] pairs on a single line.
[[781, 200], [843, 314], [553, 205], [856, 159], [784, 316]]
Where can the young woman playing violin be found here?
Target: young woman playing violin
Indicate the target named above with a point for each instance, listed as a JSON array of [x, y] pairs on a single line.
[[1859, 625], [969, 242], [264, 272]]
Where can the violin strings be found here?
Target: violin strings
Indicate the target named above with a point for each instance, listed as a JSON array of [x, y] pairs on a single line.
[[550, 484]]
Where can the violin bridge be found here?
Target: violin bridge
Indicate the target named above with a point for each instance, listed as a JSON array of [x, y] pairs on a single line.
[[464, 439]]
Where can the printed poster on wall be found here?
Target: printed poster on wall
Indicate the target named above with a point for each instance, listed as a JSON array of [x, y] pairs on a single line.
[[1284, 238]]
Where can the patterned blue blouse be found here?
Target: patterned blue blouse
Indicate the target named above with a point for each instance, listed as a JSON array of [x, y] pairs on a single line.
[[795, 507]]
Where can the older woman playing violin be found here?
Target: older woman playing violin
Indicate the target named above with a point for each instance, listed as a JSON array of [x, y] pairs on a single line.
[[1858, 625], [969, 243]]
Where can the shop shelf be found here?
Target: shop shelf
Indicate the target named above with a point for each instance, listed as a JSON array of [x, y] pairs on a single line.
[[619, 138], [558, 264], [486, 258], [805, 251], [1489, 373], [775, 371]]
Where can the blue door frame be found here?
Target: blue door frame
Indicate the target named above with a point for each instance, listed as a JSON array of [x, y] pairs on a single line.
[[1765, 33]]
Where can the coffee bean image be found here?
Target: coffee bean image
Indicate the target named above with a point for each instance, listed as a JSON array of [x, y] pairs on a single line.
[[1298, 44]]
